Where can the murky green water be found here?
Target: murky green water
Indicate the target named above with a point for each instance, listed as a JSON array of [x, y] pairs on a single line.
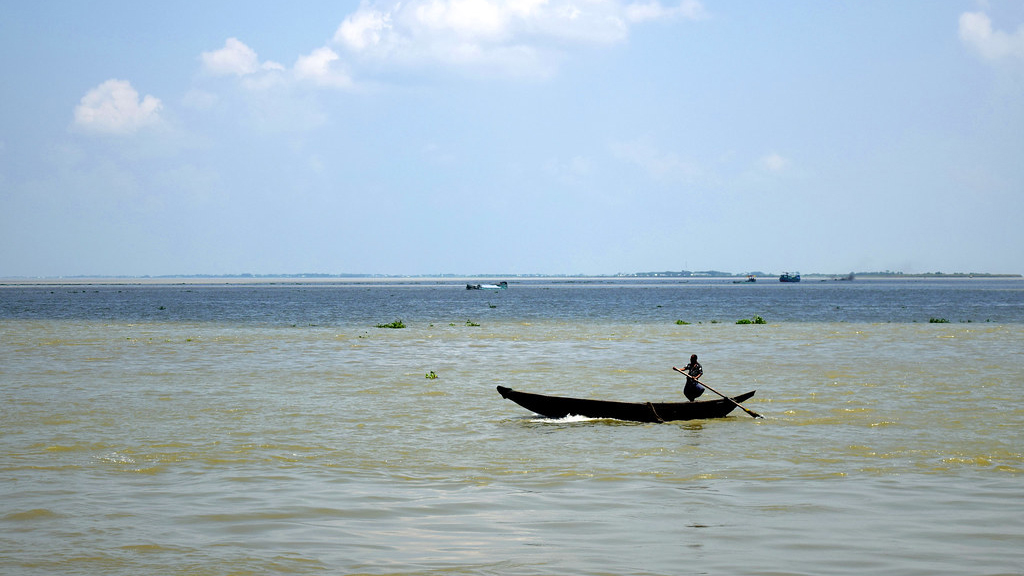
[[224, 447]]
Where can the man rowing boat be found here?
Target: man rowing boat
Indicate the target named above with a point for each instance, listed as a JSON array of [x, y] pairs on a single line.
[[693, 389]]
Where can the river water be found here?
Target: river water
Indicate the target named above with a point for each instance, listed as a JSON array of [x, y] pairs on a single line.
[[260, 428]]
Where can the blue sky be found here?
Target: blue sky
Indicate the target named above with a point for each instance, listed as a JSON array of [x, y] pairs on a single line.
[[518, 136]]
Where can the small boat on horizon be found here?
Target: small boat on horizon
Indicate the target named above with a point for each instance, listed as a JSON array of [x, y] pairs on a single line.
[[499, 286], [787, 277], [557, 407]]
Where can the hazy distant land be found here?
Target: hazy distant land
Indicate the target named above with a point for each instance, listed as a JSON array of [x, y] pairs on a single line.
[[848, 275], [247, 277]]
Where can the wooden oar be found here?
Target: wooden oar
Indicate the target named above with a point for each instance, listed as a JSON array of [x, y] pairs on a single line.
[[741, 406]]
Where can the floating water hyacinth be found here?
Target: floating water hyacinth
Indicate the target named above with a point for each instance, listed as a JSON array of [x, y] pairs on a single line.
[[754, 320], [395, 324]]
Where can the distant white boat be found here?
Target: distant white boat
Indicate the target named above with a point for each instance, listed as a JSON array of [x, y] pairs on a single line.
[[498, 286]]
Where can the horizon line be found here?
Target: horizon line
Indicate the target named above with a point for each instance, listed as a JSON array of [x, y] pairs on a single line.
[[660, 274]]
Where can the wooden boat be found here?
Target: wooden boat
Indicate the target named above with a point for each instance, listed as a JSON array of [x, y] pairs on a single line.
[[559, 407], [787, 277]]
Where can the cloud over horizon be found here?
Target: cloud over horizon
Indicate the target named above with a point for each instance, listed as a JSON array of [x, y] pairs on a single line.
[[517, 38], [513, 39]]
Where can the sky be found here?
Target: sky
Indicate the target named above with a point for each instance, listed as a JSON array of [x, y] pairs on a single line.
[[510, 137]]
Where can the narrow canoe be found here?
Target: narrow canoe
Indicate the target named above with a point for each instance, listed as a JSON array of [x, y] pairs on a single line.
[[559, 407]]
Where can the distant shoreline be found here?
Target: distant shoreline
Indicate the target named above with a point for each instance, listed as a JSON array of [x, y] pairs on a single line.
[[313, 279], [927, 275]]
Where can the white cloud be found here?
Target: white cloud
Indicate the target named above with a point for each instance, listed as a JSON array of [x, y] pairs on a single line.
[[518, 36], [468, 19], [513, 38], [976, 31], [114, 107], [774, 162], [363, 29], [235, 58], [319, 67], [487, 38]]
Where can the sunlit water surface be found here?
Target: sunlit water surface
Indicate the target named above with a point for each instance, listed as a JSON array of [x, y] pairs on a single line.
[[276, 430]]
